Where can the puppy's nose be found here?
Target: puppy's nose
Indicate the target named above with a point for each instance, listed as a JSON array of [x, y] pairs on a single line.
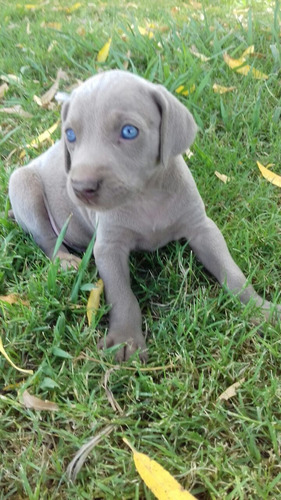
[[86, 190]]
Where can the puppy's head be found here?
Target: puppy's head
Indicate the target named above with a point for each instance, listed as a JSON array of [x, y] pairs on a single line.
[[119, 132]]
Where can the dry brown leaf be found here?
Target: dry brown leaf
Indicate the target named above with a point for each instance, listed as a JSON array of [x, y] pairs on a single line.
[[10, 78], [126, 62], [195, 52], [81, 455], [231, 391], [222, 177], [16, 110], [81, 31], [35, 403], [46, 98], [14, 298], [195, 5], [3, 89], [115, 405]]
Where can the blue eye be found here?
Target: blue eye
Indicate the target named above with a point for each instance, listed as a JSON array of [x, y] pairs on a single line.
[[70, 134], [129, 132]]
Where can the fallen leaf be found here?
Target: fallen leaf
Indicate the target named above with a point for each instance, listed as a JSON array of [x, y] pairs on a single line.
[[45, 136], [195, 5], [3, 89], [10, 78], [35, 403], [269, 175], [75, 465], [157, 479], [195, 52], [184, 90], [240, 67], [126, 62], [16, 110], [104, 51], [46, 98], [115, 405], [81, 31], [74, 7], [54, 25], [2, 350], [146, 31], [219, 89], [94, 300], [52, 45], [231, 391], [222, 177], [13, 298], [31, 6], [250, 50], [189, 153]]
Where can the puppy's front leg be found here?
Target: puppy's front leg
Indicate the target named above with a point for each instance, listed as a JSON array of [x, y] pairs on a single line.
[[125, 315], [210, 247]]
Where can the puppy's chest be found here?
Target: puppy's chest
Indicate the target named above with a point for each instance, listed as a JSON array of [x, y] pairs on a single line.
[[154, 222]]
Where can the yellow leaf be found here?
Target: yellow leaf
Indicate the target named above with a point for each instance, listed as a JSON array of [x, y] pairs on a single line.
[[103, 53], [184, 90], [146, 31], [250, 50], [2, 350], [54, 25], [74, 7], [157, 479], [231, 391], [31, 6], [270, 176], [43, 137], [35, 403], [219, 89], [240, 66], [222, 177], [94, 301]]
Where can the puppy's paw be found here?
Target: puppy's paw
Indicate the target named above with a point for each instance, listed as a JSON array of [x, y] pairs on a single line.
[[133, 342], [68, 260]]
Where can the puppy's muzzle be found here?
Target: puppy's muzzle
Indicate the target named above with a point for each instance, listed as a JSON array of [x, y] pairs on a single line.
[[87, 191]]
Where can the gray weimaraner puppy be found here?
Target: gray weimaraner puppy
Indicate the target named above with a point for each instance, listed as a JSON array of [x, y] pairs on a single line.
[[118, 170]]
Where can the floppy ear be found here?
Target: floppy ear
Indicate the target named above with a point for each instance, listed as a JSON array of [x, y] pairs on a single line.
[[178, 128], [67, 159]]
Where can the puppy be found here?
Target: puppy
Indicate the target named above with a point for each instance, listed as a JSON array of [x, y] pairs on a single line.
[[118, 170]]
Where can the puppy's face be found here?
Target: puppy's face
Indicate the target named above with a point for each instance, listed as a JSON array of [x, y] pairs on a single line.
[[113, 130]]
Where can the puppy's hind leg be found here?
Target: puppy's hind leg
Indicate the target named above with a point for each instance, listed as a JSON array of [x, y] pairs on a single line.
[[26, 193], [210, 247]]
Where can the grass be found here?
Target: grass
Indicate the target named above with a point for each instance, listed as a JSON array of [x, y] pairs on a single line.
[[227, 450]]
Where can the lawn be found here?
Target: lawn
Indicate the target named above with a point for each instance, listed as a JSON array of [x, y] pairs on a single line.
[[200, 339]]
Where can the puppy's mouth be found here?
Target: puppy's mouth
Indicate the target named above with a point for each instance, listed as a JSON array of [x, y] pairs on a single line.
[[87, 196], [98, 195]]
